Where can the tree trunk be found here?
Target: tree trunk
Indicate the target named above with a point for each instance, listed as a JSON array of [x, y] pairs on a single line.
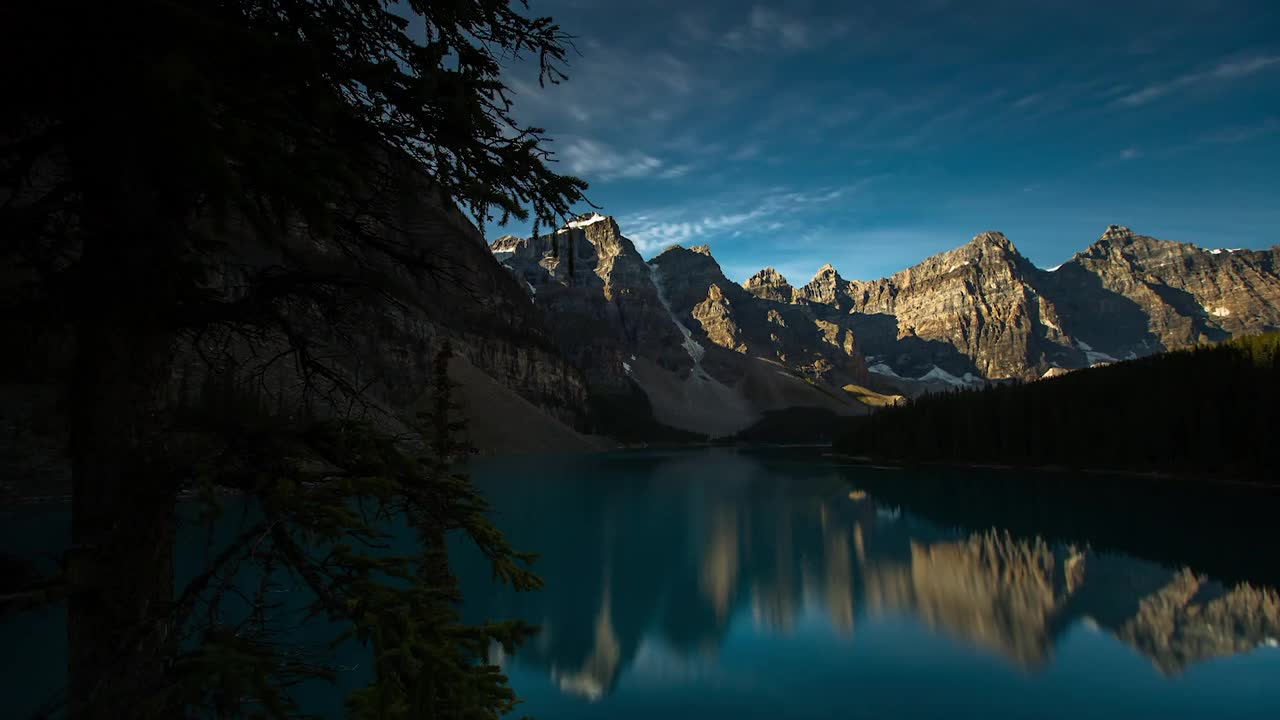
[[120, 638]]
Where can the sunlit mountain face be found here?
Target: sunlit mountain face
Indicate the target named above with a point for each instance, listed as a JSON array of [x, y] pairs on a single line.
[[676, 577]]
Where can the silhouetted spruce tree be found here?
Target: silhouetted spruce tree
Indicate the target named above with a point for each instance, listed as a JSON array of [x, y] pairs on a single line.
[[338, 532], [138, 142]]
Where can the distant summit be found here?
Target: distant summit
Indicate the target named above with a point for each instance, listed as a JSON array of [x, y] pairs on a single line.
[[770, 285]]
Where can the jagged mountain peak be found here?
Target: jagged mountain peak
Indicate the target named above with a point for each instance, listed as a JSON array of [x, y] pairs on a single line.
[[1116, 236], [827, 287], [1117, 232], [506, 243], [767, 275], [826, 273], [672, 248], [994, 238], [1121, 241], [771, 285], [696, 256], [699, 255], [590, 218]]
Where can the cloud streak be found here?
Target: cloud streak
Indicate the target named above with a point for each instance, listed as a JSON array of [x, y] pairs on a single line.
[[768, 212], [607, 87], [594, 160], [1223, 72]]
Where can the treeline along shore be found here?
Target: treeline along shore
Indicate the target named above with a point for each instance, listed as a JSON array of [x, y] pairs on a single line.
[[1210, 411]]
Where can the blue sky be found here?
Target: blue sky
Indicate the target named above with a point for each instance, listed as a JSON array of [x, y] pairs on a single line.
[[871, 135]]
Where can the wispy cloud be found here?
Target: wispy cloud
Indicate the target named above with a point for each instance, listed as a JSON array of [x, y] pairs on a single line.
[[607, 86], [1027, 101], [595, 160], [724, 217], [1130, 153], [1223, 72]]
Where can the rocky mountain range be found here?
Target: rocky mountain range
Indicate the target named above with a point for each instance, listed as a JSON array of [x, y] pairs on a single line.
[[708, 355], [983, 311], [676, 338], [574, 334]]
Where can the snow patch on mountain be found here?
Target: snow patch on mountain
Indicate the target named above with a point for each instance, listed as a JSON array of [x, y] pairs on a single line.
[[592, 219], [691, 346], [937, 374], [1092, 355], [882, 369]]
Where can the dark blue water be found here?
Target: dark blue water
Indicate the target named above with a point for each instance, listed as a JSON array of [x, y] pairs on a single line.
[[725, 584]]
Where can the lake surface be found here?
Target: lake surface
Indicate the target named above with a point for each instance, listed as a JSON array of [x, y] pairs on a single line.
[[782, 584]]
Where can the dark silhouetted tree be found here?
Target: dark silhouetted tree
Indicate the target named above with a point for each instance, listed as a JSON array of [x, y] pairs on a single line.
[[139, 142]]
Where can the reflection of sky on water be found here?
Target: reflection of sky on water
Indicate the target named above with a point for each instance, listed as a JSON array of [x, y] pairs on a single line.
[[725, 586]]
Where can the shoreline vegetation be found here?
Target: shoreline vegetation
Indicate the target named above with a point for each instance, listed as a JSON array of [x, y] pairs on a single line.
[[1206, 412]]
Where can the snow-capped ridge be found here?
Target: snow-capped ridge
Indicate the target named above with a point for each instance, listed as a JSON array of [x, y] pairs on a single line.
[[937, 374], [883, 369], [1092, 356], [591, 219]]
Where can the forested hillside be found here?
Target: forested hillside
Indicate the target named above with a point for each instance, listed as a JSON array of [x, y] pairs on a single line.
[[1212, 410]]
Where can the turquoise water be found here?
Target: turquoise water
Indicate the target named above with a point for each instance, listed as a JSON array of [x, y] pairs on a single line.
[[728, 584]]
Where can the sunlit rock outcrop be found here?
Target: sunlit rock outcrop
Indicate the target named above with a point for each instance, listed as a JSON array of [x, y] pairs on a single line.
[[769, 284]]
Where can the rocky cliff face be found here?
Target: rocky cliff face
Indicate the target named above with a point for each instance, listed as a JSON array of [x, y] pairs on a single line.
[[828, 288], [769, 284], [973, 310], [705, 354], [749, 320], [599, 299], [1129, 294], [983, 311]]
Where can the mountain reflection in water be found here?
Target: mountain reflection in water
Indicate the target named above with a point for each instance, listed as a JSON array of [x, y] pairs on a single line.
[[650, 560]]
